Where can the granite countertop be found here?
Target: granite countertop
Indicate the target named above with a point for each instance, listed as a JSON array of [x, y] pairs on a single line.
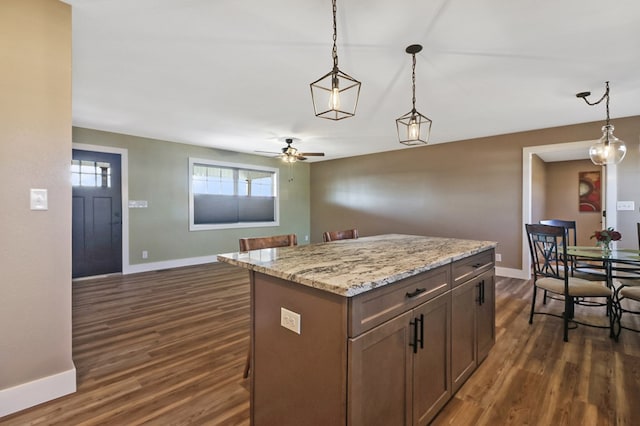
[[351, 267]]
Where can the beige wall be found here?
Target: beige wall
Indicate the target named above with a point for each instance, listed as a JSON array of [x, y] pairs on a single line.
[[35, 152], [562, 197], [466, 189]]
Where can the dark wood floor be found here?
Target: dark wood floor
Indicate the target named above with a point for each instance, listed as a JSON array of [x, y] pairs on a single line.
[[169, 347]]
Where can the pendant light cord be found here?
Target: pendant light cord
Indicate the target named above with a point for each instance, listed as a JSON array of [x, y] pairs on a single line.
[[335, 38], [413, 83], [605, 96]]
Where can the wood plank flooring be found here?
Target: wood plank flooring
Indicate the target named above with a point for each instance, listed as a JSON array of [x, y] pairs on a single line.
[[169, 347]]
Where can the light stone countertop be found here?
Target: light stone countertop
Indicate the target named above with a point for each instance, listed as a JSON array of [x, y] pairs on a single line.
[[351, 267]]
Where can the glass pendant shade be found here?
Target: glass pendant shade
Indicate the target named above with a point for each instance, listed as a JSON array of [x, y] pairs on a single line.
[[413, 128], [335, 95], [609, 149]]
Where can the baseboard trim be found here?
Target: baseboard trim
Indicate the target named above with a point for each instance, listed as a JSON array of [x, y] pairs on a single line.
[[168, 264], [512, 273], [36, 392]]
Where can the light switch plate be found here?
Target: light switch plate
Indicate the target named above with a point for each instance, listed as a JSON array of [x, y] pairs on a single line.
[[625, 205], [39, 199]]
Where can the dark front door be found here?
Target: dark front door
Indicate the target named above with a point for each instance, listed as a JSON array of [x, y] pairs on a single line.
[[97, 213]]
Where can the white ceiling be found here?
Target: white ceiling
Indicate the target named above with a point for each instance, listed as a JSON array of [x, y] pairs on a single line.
[[235, 74]]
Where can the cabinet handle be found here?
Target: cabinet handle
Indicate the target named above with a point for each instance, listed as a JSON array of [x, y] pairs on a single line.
[[416, 292], [414, 342], [421, 330], [481, 293], [477, 265]]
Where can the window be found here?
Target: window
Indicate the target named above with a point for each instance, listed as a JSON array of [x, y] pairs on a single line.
[[228, 195], [95, 174]]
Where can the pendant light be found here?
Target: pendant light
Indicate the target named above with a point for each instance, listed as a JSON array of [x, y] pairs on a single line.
[[609, 149], [335, 94], [413, 127]]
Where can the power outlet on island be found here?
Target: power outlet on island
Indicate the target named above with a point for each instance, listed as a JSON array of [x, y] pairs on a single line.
[[290, 320]]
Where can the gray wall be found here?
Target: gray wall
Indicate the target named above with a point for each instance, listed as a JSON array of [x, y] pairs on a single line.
[[35, 152], [466, 189], [159, 174]]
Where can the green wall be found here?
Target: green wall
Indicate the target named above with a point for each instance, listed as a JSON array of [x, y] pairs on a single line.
[[159, 174]]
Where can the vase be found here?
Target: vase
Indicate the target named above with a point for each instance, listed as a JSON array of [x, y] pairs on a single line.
[[606, 247]]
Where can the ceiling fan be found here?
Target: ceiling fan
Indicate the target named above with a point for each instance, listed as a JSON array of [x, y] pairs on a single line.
[[291, 155]]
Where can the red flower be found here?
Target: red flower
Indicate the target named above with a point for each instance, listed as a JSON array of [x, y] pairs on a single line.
[[607, 235]]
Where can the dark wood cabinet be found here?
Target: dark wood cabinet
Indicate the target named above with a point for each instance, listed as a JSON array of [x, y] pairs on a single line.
[[399, 372], [389, 356], [472, 316]]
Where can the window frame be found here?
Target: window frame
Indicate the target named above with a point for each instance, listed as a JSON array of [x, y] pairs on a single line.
[[239, 166]]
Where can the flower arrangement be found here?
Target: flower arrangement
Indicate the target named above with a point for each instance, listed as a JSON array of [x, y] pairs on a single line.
[[604, 238]]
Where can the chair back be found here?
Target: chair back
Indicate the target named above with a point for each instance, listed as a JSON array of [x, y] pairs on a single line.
[[257, 243], [339, 235], [548, 248], [568, 225]]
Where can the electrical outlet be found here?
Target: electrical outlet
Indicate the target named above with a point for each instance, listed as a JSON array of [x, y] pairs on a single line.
[[498, 257], [290, 320], [145, 254]]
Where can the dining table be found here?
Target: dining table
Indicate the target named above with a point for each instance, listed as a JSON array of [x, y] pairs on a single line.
[[617, 263]]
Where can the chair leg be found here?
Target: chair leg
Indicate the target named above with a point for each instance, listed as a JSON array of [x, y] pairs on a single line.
[[533, 303], [568, 310], [247, 365], [544, 297]]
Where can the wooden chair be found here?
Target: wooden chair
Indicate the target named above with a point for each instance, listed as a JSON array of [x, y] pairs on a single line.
[[247, 244], [548, 249], [339, 235], [256, 243]]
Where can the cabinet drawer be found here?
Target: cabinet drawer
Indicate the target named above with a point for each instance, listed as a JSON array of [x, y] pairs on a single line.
[[374, 307], [469, 267]]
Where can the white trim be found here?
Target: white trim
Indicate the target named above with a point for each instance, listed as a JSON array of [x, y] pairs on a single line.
[[124, 175], [36, 392], [168, 264], [611, 192]]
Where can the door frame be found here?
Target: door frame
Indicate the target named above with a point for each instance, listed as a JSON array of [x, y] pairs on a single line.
[[124, 175], [582, 152]]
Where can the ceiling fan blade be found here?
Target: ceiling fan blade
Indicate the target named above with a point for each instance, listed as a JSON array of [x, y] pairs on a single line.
[[312, 154], [300, 157]]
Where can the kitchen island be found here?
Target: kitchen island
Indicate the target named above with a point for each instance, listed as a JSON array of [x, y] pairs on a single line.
[[376, 330]]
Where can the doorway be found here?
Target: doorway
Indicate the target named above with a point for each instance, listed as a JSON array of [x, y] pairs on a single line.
[[560, 152], [96, 213]]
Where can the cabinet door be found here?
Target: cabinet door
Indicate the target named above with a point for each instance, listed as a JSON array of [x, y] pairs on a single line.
[[431, 366], [463, 331], [485, 316], [379, 369]]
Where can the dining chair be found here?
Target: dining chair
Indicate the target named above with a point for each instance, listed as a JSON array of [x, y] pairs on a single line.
[[257, 243], [625, 296], [548, 249], [339, 235]]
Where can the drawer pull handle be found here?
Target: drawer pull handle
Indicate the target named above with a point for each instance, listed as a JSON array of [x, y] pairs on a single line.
[[416, 292], [477, 265]]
